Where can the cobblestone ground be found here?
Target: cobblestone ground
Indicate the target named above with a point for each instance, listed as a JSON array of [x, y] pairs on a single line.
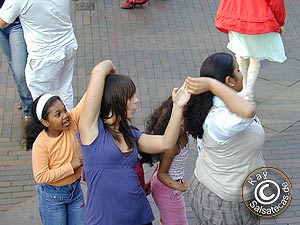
[[158, 45]]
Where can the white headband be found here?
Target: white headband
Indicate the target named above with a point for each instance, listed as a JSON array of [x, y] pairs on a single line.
[[41, 103]]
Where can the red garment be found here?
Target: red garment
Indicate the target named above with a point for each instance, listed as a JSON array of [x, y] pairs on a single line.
[[140, 172], [250, 16]]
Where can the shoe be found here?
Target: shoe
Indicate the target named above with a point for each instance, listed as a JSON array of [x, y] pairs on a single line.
[[129, 4], [19, 106]]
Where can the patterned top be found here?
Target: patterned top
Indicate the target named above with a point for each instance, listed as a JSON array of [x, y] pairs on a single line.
[[176, 170]]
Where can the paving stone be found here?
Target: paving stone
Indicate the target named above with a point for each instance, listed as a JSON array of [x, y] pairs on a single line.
[[158, 45]]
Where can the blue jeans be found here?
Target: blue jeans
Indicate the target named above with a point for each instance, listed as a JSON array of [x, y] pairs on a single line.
[[61, 205], [14, 48]]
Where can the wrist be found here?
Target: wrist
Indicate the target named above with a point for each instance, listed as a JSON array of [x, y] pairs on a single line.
[[177, 107], [211, 83], [181, 187]]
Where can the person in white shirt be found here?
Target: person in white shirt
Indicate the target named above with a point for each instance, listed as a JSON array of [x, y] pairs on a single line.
[[231, 138], [51, 45]]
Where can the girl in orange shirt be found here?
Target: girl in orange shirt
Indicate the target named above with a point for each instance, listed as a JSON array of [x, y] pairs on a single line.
[[56, 160]]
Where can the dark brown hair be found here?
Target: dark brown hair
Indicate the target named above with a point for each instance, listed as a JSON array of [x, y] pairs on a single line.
[[117, 91]]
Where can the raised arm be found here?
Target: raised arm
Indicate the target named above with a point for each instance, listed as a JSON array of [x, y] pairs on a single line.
[[88, 122], [159, 143], [234, 102]]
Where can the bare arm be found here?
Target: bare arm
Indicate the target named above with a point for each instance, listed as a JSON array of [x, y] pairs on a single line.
[[163, 171], [3, 24], [88, 122], [234, 102], [160, 143]]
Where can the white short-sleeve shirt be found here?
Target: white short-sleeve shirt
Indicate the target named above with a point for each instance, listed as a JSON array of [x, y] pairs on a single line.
[[47, 25], [231, 149], [223, 125]]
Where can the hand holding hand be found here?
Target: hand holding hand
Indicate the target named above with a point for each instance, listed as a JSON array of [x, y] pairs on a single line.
[[197, 85], [180, 96]]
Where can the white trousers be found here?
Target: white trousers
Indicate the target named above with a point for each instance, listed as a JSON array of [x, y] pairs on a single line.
[[53, 74]]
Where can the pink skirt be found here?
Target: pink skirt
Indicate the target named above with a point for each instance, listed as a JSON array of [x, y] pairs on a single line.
[[170, 203]]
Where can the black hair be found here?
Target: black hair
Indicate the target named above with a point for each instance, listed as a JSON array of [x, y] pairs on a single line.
[[33, 127], [217, 66]]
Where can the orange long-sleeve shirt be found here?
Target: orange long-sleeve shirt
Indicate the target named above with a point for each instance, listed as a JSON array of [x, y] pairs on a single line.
[[51, 157]]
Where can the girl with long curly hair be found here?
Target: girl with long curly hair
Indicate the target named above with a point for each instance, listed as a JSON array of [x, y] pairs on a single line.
[[167, 185]]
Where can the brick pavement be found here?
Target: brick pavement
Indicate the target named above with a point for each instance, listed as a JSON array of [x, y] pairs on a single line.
[[158, 45]]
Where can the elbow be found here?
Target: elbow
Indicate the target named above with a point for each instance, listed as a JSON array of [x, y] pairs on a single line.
[[169, 145], [3, 24], [247, 111], [160, 177], [250, 112], [39, 179]]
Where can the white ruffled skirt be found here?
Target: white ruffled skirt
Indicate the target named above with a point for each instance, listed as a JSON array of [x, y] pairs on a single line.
[[262, 46]]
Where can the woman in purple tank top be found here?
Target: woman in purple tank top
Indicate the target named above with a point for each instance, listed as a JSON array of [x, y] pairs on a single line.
[[110, 148]]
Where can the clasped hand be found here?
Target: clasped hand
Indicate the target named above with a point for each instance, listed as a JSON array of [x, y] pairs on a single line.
[[197, 85], [180, 96]]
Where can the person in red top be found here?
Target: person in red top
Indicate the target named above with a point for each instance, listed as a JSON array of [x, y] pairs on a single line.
[[254, 29]]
